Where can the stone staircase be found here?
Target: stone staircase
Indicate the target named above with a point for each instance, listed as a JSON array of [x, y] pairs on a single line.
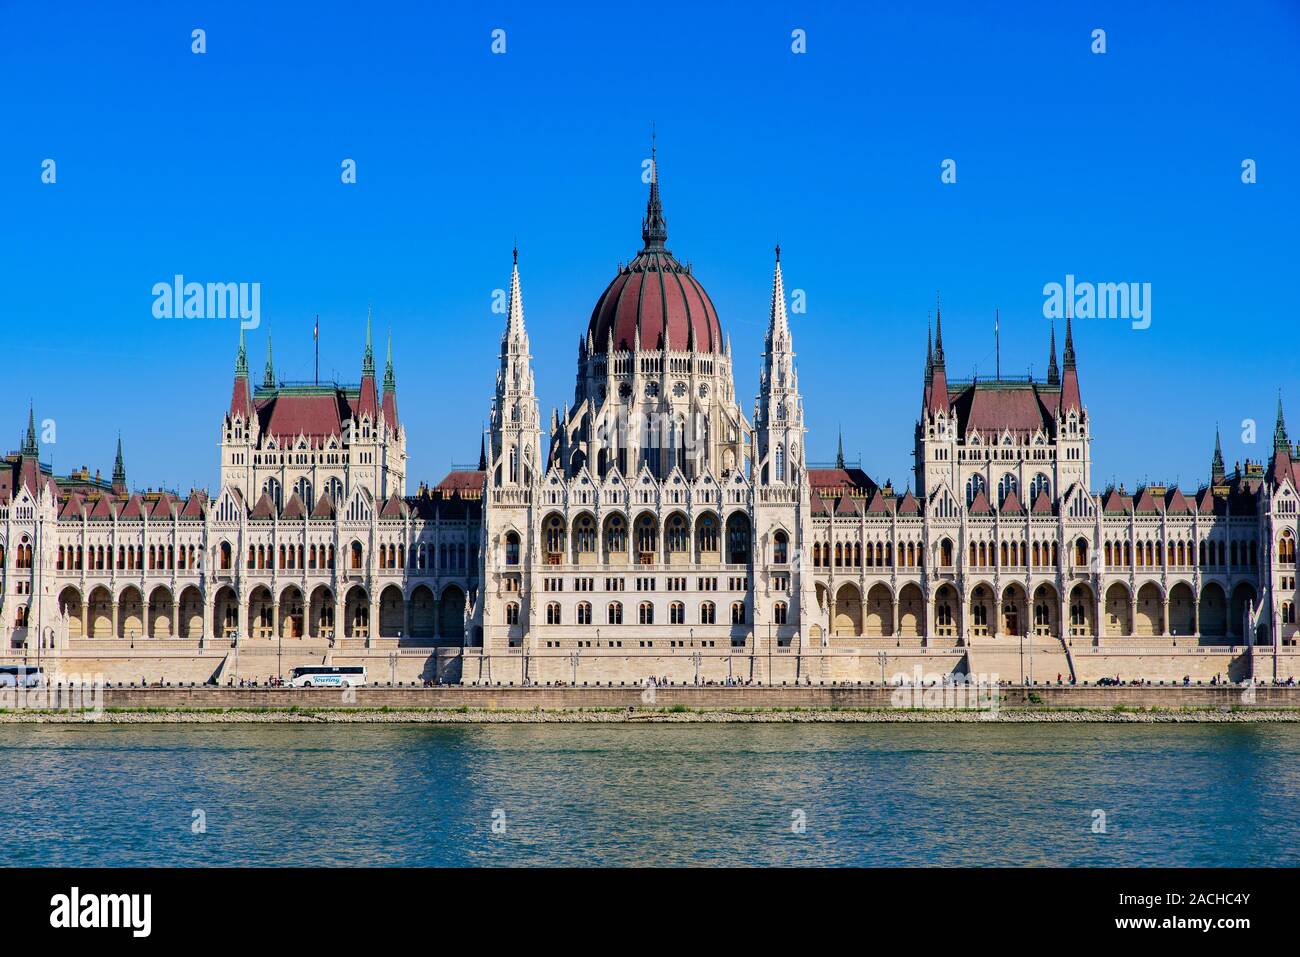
[[1043, 658]]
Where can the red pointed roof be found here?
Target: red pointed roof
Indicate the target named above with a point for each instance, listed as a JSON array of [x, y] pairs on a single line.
[[1115, 504], [818, 505], [106, 507], [1011, 504], [195, 505], [294, 508], [1176, 502], [264, 508], [1145, 502], [980, 504], [1042, 504], [846, 506], [74, 507], [324, 508], [393, 508], [909, 505]]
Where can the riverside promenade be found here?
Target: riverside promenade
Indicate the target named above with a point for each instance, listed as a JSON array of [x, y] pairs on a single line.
[[739, 702]]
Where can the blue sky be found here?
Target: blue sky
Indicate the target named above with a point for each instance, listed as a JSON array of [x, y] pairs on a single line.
[[226, 167]]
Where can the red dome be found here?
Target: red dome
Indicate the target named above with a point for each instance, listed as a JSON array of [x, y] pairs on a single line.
[[653, 293], [655, 296]]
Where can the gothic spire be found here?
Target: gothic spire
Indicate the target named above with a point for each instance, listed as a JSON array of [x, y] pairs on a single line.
[[1070, 397], [1053, 373], [936, 386], [119, 467], [368, 362], [390, 380], [268, 377], [1281, 443], [929, 348], [778, 327], [241, 358], [482, 452], [654, 228], [938, 331], [1217, 471], [515, 330], [839, 452], [29, 442]]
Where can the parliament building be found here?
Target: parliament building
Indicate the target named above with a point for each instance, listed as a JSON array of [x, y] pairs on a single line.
[[653, 528]]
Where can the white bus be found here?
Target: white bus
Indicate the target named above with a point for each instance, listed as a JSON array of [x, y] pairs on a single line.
[[324, 676], [21, 676]]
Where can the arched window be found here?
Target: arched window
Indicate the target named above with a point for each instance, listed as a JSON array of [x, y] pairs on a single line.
[[779, 612], [676, 613], [584, 613], [677, 533], [780, 545], [616, 534], [708, 613], [553, 537], [707, 537], [356, 555], [1039, 483], [737, 612], [780, 464], [646, 613], [615, 613], [512, 548], [553, 613], [584, 535], [512, 613], [1006, 485], [974, 485], [1081, 553]]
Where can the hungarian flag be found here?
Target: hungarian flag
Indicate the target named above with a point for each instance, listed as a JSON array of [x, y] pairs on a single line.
[[315, 333]]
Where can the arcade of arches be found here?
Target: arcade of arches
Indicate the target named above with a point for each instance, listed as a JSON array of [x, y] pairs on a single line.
[[320, 615]]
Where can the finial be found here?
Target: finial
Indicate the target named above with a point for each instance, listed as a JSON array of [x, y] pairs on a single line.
[[778, 252]]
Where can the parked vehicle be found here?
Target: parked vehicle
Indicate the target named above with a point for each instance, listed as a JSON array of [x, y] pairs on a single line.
[[324, 676]]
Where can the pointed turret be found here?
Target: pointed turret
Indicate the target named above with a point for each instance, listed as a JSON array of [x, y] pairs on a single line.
[[368, 401], [937, 395], [30, 446], [241, 398], [778, 416], [1070, 399], [119, 470], [839, 451], [1280, 469], [1217, 471], [1281, 442], [390, 387], [1053, 373], [482, 452], [516, 420], [268, 377]]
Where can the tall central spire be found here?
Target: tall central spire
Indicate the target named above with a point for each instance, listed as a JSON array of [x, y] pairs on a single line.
[[654, 228]]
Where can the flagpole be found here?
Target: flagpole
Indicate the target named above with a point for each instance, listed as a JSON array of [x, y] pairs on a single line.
[[997, 342], [316, 337]]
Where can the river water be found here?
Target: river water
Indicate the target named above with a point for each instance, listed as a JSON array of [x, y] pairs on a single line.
[[688, 794]]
